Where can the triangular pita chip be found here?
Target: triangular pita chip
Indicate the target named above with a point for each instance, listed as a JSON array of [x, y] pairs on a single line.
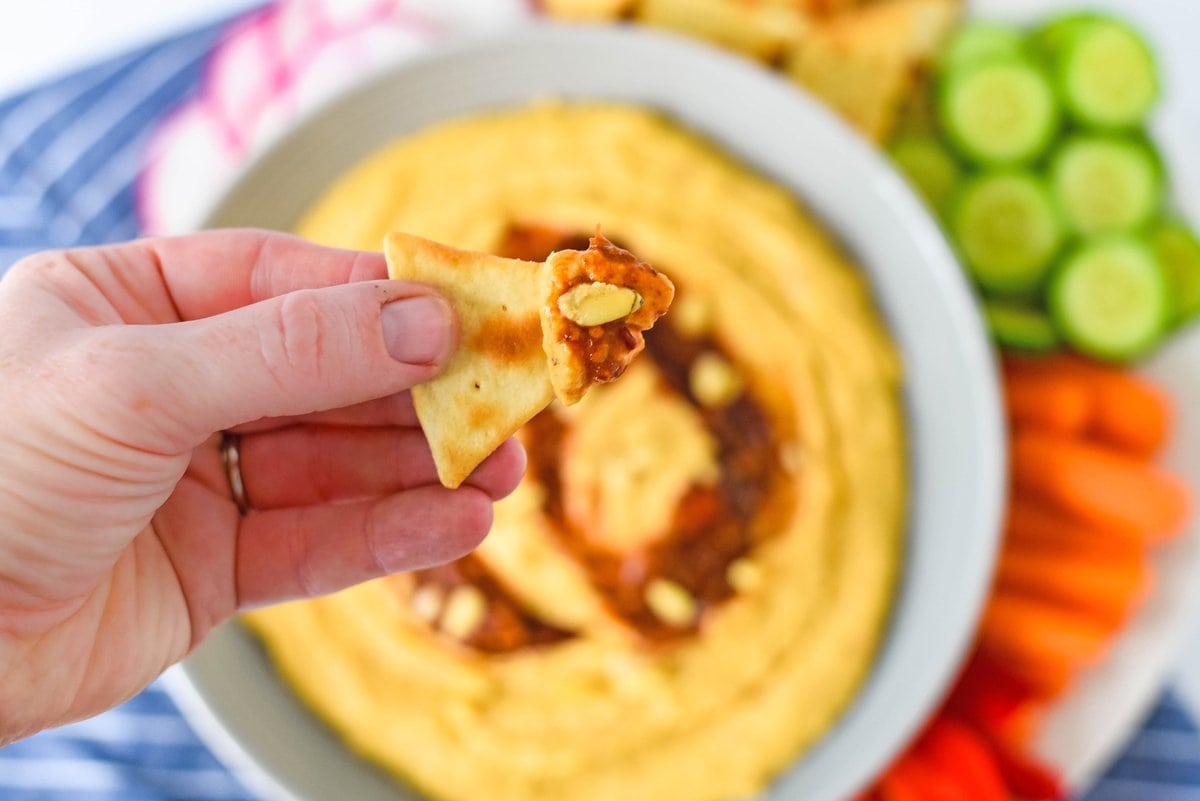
[[518, 342], [866, 62], [759, 30], [586, 10]]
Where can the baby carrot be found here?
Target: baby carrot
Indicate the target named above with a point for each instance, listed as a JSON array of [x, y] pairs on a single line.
[[1046, 681], [1125, 411], [1130, 413], [1098, 485], [1105, 589], [1055, 402], [1038, 527], [1029, 633]]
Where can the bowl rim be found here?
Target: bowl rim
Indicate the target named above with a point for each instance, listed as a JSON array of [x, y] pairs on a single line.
[[907, 713]]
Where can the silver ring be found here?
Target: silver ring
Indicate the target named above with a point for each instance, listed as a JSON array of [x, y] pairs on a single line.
[[231, 460]]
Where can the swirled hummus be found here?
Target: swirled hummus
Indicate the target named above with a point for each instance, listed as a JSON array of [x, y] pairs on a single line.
[[692, 581]]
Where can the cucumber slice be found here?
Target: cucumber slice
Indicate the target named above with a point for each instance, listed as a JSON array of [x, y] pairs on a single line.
[[1008, 230], [975, 41], [1107, 76], [1178, 252], [1020, 327], [1110, 299], [1106, 184], [931, 169], [999, 111], [1054, 37]]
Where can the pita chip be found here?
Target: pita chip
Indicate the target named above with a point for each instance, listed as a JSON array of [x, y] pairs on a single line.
[[867, 61], [529, 331]]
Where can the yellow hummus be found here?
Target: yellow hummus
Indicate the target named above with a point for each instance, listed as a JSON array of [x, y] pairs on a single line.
[[691, 582]]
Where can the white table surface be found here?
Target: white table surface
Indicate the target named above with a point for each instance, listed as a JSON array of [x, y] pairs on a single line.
[[40, 39]]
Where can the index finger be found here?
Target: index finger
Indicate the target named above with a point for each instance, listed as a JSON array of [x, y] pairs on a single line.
[[215, 271]]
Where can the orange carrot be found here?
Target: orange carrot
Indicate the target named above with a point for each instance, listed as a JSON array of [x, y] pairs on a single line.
[[1027, 633], [1130, 413], [1126, 412], [1099, 486], [1055, 402], [1103, 588], [1045, 681], [1037, 527]]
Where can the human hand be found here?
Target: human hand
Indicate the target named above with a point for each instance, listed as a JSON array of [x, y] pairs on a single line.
[[120, 544]]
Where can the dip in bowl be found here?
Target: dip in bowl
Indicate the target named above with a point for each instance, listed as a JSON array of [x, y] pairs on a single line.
[[825, 633]]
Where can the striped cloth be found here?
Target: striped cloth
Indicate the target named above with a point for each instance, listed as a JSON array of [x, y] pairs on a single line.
[[1161, 763], [69, 156], [70, 152]]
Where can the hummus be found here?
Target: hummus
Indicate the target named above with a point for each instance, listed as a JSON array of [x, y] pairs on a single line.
[[692, 581]]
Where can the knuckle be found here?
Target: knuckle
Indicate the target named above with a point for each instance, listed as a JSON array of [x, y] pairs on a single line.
[[38, 266], [36, 281], [296, 343]]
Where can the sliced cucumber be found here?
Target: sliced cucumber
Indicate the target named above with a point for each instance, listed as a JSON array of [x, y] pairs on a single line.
[[1178, 252], [930, 167], [1020, 327], [1106, 184], [1107, 76], [979, 40], [998, 111], [1008, 230], [1110, 299], [1052, 39]]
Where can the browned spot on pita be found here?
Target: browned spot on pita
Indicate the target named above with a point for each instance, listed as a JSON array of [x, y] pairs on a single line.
[[481, 415], [509, 339]]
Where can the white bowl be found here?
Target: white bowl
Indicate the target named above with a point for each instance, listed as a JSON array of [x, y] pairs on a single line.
[[956, 446]]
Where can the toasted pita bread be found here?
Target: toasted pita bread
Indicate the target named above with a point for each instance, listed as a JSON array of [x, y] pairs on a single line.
[[587, 10], [511, 333], [496, 381], [825, 8], [760, 30], [866, 62], [862, 57]]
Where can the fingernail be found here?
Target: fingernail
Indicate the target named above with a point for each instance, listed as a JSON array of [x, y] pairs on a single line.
[[416, 330]]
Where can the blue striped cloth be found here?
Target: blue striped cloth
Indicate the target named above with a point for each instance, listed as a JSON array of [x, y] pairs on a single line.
[[69, 153]]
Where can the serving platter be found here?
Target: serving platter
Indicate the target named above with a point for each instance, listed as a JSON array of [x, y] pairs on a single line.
[[1090, 726]]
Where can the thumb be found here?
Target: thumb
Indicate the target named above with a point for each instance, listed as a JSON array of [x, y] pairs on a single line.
[[305, 351]]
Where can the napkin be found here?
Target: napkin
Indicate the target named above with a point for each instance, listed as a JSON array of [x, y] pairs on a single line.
[[99, 156]]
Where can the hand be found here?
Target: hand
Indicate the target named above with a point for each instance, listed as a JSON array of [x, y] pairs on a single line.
[[120, 545]]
